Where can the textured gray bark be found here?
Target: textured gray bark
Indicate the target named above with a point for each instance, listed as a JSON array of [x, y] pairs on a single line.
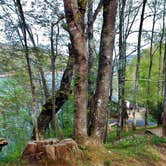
[[99, 117]]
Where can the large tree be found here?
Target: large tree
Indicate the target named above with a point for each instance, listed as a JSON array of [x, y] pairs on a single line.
[[99, 121], [75, 12]]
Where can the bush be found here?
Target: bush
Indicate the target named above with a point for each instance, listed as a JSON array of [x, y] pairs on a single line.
[[156, 112]]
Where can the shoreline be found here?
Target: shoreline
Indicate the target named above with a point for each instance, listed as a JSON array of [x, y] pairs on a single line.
[[6, 75]]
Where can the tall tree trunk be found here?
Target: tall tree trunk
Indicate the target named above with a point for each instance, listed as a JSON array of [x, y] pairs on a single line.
[[90, 61], [90, 49], [23, 28], [150, 64], [122, 63], [53, 57], [164, 83], [75, 11], [160, 83], [136, 83], [62, 94], [99, 118], [164, 113], [121, 67]]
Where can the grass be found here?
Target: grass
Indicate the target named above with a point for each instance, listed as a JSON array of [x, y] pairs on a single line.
[[135, 146], [158, 140], [134, 149]]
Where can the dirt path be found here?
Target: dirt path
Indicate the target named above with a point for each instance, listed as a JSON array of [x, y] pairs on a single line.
[[139, 118]]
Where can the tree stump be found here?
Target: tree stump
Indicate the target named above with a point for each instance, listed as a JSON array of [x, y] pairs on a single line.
[[50, 150]]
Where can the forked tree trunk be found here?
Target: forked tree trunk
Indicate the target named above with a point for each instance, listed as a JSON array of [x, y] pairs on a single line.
[[99, 118], [62, 94]]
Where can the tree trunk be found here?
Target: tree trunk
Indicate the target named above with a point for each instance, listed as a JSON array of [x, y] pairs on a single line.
[[74, 11], [90, 50], [23, 28], [150, 64], [99, 118], [122, 64], [53, 58], [90, 41], [160, 83], [164, 113], [136, 83], [62, 94]]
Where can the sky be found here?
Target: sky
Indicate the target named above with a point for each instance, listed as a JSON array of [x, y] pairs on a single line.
[[43, 36]]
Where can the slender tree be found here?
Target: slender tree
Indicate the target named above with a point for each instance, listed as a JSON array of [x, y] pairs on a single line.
[[138, 59], [23, 28], [122, 65], [160, 83], [150, 60], [164, 111], [53, 58]]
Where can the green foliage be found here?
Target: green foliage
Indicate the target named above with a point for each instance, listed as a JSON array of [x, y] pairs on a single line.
[[156, 112], [142, 95], [113, 108], [158, 140], [15, 116], [136, 146]]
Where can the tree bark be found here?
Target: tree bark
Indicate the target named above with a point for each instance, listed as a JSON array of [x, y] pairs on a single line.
[[53, 58], [62, 94], [164, 102], [91, 83], [23, 28], [160, 83], [136, 83], [99, 118], [90, 50], [150, 64], [164, 111], [122, 65], [74, 11]]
